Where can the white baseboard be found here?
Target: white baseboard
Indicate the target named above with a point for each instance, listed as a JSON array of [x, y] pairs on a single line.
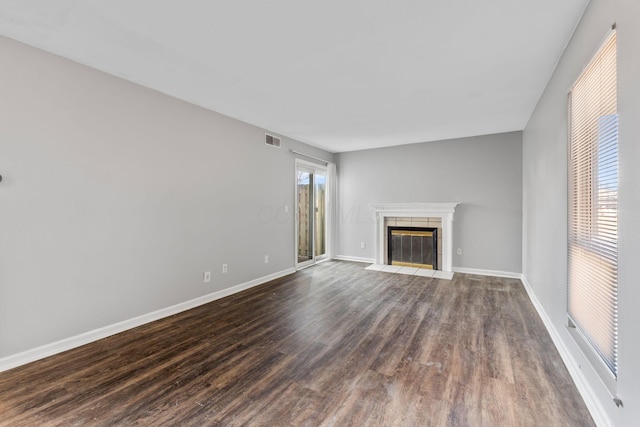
[[494, 273], [47, 350], [594, 405], [355, 259]]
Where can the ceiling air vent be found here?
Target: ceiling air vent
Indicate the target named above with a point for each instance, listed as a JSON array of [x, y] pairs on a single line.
[[271, 140]]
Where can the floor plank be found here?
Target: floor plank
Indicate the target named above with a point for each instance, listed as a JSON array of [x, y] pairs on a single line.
[[331, 345]]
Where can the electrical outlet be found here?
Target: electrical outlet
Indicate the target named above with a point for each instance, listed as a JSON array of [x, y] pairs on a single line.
[[224, 268], [266, 259], [206, 277], [286, 208], [459, 251], [361, 245]]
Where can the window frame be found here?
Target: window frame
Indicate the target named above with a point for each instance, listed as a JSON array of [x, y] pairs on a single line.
[[588, 240]]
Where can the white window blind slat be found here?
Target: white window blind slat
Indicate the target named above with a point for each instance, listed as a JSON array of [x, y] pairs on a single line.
[[593, 205]]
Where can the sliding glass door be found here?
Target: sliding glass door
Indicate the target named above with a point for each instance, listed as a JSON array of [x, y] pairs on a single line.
[[311, 213], [320, 214]]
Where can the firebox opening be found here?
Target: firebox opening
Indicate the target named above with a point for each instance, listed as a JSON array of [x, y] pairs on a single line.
[[413, 247]]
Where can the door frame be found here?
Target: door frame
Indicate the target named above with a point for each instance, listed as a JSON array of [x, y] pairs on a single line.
[[312, 168]]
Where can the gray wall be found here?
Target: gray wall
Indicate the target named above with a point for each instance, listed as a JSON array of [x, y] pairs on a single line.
[[116, 198], [483, 173], [545, 200]]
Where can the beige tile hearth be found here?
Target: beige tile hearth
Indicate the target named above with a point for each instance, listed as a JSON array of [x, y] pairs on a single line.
[[412, 271]]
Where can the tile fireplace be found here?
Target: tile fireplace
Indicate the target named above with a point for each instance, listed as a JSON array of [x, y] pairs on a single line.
[[424, 215]]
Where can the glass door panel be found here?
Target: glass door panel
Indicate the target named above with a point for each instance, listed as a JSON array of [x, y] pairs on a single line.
[[320, 206], [311, 213], [305, 216]]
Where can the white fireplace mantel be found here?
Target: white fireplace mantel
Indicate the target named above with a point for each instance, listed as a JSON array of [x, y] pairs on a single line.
[[444, 211]]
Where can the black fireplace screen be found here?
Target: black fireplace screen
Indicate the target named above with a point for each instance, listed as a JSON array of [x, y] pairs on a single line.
[[413, 247]]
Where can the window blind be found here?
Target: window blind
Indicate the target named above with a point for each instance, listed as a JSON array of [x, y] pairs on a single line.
[[593, 205]]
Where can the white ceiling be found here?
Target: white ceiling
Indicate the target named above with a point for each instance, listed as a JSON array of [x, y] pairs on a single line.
[[338, 74]]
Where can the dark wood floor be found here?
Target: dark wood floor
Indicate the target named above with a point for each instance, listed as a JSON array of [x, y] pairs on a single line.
[[330, 345]]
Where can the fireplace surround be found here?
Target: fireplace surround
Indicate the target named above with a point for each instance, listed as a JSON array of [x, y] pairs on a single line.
[[443, 211]]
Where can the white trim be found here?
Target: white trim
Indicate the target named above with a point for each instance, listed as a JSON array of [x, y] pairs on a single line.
[[47, 350], [354, 259], [594, 405], [493, 273], [332, 211], [444, 211]]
